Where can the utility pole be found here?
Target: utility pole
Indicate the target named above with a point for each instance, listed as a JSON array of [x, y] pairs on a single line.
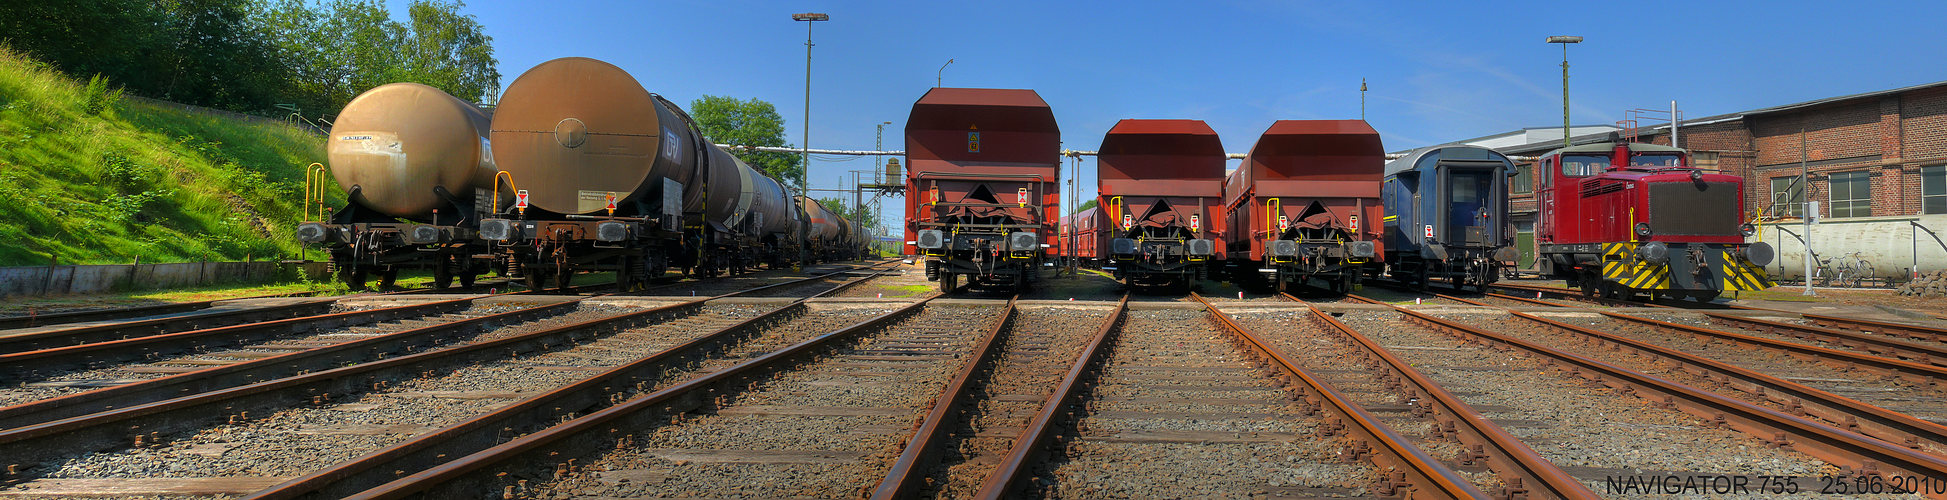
[[804, 175], [1811, 207], [1565, 40]]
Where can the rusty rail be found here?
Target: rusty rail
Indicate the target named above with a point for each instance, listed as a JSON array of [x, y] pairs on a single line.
[[82, 335], [1916, 332], [1886, 425], [470, 474], [1034, 439], [1929, 352], [1854, 453], [1504, 452], [1414, 471], [478, 433], [907, 477]]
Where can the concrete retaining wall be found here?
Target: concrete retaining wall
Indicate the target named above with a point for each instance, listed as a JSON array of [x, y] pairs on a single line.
[[48, 280]]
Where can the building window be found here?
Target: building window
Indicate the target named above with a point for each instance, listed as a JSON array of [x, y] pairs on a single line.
[[1523, 180], [1933, 189], [1852, 194], [1787, 197], [1703, 160]]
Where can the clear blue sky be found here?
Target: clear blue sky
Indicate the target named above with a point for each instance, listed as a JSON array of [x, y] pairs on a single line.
[[1438, 71]]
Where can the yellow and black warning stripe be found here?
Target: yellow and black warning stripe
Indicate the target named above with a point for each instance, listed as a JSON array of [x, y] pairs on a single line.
[[1740, 274], [1620, 265]]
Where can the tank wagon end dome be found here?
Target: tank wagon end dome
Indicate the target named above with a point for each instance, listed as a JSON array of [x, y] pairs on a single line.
[[575, 125], [397, 142]]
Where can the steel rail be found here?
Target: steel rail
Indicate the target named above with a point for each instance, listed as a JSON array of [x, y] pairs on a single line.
[[82, 335], [25, 365], [1886, 425], [1414, 470], [469, 476], [1915, 332], [481, 432], [281, 366], [60, 318], [259, 370], [1892, 347], [1035, 438], [1515, 460], [907, 477], [1853, 452]]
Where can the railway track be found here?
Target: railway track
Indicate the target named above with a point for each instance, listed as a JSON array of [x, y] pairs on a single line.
[[189, 418], [1612, 434], [1883, 398], [822, 415]]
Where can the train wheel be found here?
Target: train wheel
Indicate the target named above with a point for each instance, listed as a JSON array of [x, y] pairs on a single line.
[[947, 282], [442, 272], [1421, 278], [389, 277], [1705, 295], [1590, 285], [536, 281], [1341, 286], [467, 277], [563, 277], [354, 278]]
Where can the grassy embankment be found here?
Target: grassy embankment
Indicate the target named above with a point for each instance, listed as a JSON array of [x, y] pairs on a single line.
[[89, 178]]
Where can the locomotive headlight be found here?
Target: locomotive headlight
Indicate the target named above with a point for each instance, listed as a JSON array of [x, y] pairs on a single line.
[[1747, 229], [1655, 252], [1643, 229], [930, 239], [311, 232]]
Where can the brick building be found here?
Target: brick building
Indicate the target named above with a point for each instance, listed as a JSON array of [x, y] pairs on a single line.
[[1870, 155]]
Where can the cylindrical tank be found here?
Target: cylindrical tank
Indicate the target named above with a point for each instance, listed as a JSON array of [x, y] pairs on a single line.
[[824, 224], [1888, 245], [733, 187], [574, 129], [397, 142], [771, 207]]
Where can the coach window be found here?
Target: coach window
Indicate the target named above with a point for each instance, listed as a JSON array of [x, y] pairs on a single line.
[[1584, 165], [1933, 189], [1852, 194]]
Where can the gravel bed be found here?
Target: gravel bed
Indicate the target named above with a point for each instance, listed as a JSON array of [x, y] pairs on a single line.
[[850, 453], [1042, 344], [1175, 365], [1320, 349], [1573, 422], [78, 381], [1893, 393]]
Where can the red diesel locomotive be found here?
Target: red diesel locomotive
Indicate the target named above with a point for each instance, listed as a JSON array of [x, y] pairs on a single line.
[[1304, 206], [1624, 219]]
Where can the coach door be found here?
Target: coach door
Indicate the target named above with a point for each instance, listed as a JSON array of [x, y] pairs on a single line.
[[1470, 206]]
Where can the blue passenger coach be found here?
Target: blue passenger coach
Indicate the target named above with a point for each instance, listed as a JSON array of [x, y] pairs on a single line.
[[1447, 216]]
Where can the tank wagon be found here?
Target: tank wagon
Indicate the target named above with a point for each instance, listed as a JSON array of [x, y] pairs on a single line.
[[1624, 219], [1447, 216], [415, 167], [1160, 187], [982, 199], [1080, 238], [610, 177], [1300, 207], [831, 237]]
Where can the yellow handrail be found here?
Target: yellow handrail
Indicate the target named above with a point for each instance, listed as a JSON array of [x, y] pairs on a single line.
[[510, 186], [314, 188]]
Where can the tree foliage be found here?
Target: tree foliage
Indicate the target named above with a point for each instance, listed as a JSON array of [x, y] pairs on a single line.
[[253, 55], [1085, 206], [753, 122]]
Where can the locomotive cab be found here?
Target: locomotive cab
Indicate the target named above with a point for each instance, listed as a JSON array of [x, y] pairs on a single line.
[[1622, 219]]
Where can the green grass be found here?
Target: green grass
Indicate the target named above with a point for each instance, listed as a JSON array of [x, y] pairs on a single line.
[[89, 178]]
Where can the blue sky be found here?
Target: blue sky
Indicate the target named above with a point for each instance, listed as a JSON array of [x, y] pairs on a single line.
[[1438, 71]]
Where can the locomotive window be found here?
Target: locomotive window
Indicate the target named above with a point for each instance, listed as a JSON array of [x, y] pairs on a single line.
[[1584, 165], [1656, 160]]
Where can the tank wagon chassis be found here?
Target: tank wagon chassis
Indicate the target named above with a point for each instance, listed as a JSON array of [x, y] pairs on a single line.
[[360, 251]]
